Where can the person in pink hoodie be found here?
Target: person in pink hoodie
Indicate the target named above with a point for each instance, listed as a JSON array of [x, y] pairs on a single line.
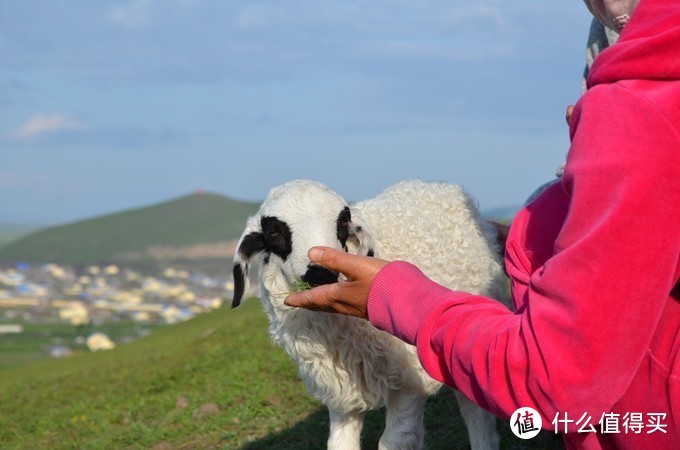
[[593, 344]]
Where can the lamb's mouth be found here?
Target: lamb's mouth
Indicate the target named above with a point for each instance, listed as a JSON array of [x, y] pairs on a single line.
[[317, 276]]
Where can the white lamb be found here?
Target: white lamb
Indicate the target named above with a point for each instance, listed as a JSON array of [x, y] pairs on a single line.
[[345, 362]]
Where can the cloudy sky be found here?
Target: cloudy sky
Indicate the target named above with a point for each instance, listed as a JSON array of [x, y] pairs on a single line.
[[109, 105]]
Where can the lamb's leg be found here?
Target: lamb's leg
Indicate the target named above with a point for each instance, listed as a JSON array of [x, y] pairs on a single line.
[[481, 424], [345, 430], [404, 428]]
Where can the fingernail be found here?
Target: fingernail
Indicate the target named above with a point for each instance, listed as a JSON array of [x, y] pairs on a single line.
[[315, 253]]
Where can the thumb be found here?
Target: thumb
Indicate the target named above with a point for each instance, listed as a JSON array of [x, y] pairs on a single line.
[[320, 298], [339, 261]]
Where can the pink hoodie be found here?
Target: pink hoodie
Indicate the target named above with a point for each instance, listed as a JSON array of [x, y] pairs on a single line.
[[594, 264]]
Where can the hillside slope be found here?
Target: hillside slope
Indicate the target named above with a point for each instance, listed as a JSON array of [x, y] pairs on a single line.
[[10, 232], [190, 220], [215, 381]]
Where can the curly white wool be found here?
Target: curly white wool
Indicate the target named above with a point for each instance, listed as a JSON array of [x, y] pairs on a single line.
[[345, 362]]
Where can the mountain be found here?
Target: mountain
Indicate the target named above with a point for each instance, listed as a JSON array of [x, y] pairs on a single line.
[[10, 232], [195, 226], [199, 230]]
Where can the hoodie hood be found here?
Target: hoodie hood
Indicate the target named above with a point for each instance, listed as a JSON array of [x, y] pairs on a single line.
[[648, 49]]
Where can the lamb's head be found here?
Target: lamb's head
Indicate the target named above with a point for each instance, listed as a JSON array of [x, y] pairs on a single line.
[[293, 218]]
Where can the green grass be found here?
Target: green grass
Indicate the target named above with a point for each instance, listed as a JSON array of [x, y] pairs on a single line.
[[126, 398], [189, 220], [151, 394]]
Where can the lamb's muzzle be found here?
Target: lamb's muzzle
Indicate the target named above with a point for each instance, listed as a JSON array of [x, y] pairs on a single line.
[[317, 275]]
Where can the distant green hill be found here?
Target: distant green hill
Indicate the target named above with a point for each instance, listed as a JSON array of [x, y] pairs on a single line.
[[131, 235], [10, 232]]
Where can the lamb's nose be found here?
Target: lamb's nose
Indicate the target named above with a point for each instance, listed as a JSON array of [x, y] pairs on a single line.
[[317, 275]]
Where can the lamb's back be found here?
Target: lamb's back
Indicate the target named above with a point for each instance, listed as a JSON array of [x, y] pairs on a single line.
[[437, 227]]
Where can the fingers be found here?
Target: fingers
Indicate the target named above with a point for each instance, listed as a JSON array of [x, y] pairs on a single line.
[[318, 298], [351, 266], [348, 296], [335, 260], [331, 298]]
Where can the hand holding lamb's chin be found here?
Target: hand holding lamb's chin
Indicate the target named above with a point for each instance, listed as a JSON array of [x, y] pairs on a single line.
[[348, 296]]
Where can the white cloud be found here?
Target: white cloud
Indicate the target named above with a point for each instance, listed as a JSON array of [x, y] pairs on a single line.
[[134, 14], [256, 17], [47, 123]]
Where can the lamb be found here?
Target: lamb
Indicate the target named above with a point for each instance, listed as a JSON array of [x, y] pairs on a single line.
[[345, 362]]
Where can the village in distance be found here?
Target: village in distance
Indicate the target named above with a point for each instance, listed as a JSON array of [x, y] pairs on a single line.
[[101, 299]]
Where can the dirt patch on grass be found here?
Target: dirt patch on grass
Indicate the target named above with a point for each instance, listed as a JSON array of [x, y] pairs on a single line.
[[207, 410]]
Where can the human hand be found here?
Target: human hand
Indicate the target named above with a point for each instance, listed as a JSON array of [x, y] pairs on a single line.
[[348, 296]]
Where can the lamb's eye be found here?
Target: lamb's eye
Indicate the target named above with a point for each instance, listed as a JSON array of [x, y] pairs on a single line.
[[342, 226], [272, 234]]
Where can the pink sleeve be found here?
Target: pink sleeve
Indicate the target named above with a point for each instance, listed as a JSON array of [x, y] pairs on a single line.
[[591, 309], [407, 304]]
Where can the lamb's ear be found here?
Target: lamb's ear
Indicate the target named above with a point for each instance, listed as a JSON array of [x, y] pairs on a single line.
[[361, 239], [250, 243]]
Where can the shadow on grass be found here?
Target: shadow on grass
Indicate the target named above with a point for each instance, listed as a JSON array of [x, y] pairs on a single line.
[[444, 425]]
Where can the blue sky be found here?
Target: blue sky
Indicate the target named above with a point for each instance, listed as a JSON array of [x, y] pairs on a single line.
[[109, 105]]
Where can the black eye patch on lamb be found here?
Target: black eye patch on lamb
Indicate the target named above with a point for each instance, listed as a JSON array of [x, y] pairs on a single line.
[[342, 226], [277, 236]]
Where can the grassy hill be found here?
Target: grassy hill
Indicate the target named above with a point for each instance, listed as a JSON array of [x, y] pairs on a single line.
[[10, 232], [190, 220], [213, 382]]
